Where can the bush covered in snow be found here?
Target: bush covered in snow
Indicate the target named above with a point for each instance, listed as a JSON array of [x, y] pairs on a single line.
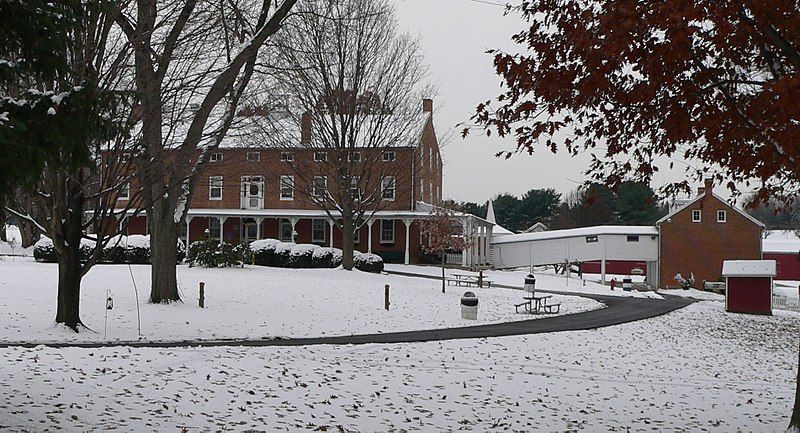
[[326, 258], [300, 256], [213, 254], [44, 251], [281, 258], [133, 249], [264, 251], [368, 262]]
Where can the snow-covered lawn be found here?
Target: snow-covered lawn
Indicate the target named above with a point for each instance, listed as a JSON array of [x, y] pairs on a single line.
[[14, 244], [695, 369], [251, 302], [545, 280]]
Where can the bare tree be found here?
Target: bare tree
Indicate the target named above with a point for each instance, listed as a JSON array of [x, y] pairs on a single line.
[[193, 62], [347, 94], [80, 184]]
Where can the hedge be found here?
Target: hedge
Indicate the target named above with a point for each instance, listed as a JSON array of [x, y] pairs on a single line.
[[133, 249], [272, 252]]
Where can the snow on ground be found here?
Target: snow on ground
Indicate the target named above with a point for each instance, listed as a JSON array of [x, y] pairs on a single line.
[[694, 294], [546, 279], [695, 369], [13, 247], [251, 302]]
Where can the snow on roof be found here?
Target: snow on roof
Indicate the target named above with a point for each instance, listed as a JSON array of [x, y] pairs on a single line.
[[583, 231], [781, 246], [499, 230], [696, 199], [748, 268]]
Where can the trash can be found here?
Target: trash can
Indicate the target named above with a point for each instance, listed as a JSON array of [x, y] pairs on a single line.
[[530, 283], [627, 284], [469, 306]]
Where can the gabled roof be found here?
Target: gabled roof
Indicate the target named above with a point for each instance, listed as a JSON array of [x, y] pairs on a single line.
[[698, 198]]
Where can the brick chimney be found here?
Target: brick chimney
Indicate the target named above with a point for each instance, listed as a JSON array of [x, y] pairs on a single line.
[[427, 105], [707, 188], [305, 128]]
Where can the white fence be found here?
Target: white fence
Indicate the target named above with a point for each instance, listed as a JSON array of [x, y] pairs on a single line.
[[785, 303], [452, 258]]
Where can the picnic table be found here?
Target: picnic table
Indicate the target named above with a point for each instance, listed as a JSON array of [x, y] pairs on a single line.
[[537, 304], [466, 280]]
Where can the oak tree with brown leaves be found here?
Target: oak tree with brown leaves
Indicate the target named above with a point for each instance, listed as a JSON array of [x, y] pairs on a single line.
[[640, 83]]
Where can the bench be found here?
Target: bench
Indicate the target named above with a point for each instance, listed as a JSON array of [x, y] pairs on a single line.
[[536, 304], [467, 280]]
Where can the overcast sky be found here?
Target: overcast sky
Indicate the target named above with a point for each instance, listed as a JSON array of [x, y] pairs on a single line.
[[455, 35]]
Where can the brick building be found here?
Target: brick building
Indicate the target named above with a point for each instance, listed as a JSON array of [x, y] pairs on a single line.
[[247, 192], [698, 236]]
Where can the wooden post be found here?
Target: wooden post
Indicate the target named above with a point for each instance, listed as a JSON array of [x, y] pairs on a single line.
[[480, 278], [202, 298], [386, 298]]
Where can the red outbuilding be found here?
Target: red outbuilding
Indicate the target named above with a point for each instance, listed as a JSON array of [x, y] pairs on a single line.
[[748, 285]]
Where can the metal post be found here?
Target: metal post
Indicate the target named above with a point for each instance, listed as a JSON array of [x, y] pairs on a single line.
[[202, 298]]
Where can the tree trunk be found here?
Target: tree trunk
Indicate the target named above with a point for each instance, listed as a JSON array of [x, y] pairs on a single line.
[[794, 424], [69, 286], [443, 257], [163, 253], [347, 243]]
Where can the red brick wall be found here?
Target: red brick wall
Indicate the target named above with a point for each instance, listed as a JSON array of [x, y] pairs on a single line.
[[688, 247]]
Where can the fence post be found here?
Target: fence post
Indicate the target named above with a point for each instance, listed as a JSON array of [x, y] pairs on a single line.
[[202, 298], [480, 278], [386, 298]]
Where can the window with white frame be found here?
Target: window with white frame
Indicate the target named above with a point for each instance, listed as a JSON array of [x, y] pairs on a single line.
[[320, 187], [286, 231], [355, 187], [287, 157], [215, 188], [214, 228], [388, 188], [722, 216], [318, 230], [388, 155], [125, 191], [354, 156], [320, 156], [287, 187], [253, 156], [215, 157], [387, 231], [697, 215]]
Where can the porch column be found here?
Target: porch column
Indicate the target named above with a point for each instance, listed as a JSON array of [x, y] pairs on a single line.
[[188, 225], [489, 255], [407, 222], [482, 250], [465, 231], [259, 222], [332, 223], [294, 223], [222, 229], [369, 235]]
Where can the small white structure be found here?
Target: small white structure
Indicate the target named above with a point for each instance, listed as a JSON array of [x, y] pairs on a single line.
[[600, 243]]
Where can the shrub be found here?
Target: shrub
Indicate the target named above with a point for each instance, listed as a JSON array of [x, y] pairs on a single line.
[[281, 258], [86, 249], [368, 262], [114, 251], [326, 258], [137, 249], [44, 251], [300, 256], [264, 251], [212, 254]]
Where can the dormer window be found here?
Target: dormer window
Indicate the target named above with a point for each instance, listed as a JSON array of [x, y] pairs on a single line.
[[697, 215], [320, 156], [388, 155], [287, 157], [253, 156]]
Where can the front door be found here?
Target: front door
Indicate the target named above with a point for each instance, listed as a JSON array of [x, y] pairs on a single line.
[[249, 231], [252, 192]]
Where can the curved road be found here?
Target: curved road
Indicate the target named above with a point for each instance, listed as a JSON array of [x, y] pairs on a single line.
[[619, 310]]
